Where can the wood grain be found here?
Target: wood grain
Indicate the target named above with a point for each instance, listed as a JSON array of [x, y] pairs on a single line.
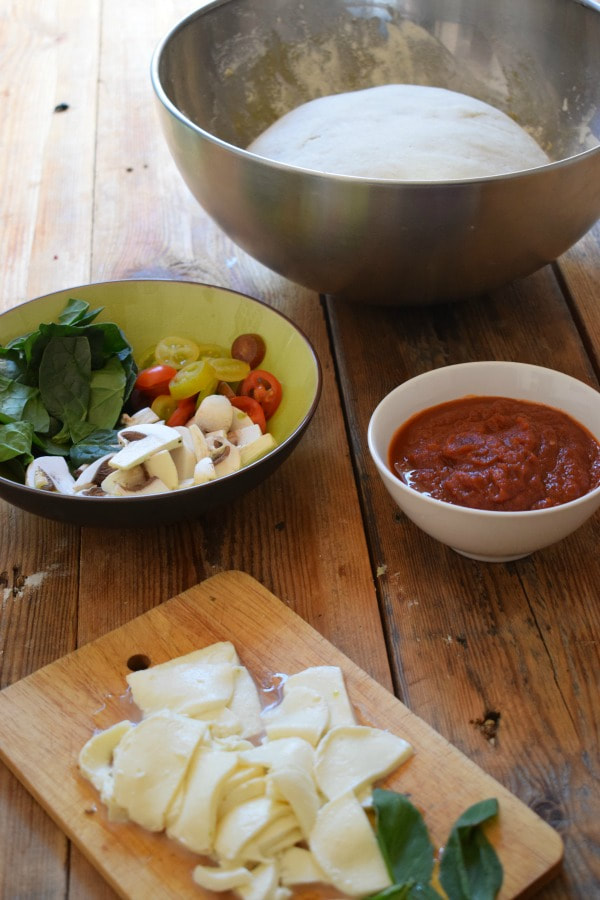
[[520, 640], [50, 715]]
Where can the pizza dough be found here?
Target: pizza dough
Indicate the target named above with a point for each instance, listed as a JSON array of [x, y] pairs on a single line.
[[401, 131]]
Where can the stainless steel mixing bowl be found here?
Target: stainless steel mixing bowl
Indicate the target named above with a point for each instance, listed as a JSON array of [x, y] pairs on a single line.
[[230, 69]]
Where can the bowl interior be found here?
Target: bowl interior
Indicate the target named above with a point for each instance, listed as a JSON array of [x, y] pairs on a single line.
[[504, 379], [149, 310], [235, 66]]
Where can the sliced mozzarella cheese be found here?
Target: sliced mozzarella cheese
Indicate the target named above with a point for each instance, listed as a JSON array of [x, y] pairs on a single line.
[[328, 681], [345, 847], [301, 713], [351, 756], [216, 879], [282, 753], [95, 763], [297, 787], [245, 822], [245, 702], [263, 884], [149, 764], [195, 683], [242, 793], [298, 866], [275, 837], [192, 818]]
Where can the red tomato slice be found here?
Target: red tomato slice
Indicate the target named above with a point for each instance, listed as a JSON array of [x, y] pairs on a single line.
[[252, 408], [263, 387], [155, 381], [184, 412]]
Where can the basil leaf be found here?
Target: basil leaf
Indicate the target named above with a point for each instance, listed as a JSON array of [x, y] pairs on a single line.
[[470, 868], [76, 312], [403, 838], [97, 444], [107, 390], [407, 892], [64, 375], [15, 441]]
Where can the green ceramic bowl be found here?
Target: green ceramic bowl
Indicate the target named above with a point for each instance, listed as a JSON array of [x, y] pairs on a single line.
[[148, 310]]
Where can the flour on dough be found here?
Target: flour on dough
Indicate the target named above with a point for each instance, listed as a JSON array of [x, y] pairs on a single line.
[[401, 131]]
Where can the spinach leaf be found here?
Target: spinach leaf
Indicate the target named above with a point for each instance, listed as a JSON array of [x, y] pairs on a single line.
[[97, 444], [107, 390], [67, 381], [403, 838], [470, 868], [64, 376], [77, 312], [15, 440]]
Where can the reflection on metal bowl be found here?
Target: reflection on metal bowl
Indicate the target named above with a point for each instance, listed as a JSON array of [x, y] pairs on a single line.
[[230, 69]]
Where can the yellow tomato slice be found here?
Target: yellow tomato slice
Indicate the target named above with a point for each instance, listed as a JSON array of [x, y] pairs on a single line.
[[176, 351], [228, 369], [164, 406], [191, 379]]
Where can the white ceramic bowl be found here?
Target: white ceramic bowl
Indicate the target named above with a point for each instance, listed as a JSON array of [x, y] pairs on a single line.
[[482, 534]]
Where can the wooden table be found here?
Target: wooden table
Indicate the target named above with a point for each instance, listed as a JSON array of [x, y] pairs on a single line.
[[89, 192]]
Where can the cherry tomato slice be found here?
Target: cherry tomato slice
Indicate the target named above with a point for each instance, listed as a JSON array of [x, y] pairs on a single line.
[[252, 408], [228, 369], [249, 347], [164, 406], [264, 387], [191, 379], [176, 351], [155, 381], [184, 412]]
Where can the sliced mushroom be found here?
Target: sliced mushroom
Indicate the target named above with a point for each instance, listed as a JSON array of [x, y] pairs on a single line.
[[142, 442], [94, 474], [161, 465], [214, 413], [145, 416], [50, 473]]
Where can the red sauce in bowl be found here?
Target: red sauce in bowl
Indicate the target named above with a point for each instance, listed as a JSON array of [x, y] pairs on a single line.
[[496, 453]]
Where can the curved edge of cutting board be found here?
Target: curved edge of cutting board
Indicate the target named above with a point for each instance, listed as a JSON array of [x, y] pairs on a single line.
[[48, 716]]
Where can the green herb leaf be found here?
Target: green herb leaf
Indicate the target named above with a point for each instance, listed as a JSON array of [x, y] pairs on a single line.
[[64, 375], [15, 440], [403, 838], [107, 390], [76, 312], [97, 444], [470, 868]]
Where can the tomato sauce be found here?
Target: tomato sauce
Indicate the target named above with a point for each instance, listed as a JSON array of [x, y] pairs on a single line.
[[496, 453]]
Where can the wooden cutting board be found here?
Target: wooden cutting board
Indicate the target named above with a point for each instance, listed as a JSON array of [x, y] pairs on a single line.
[[47, 717]]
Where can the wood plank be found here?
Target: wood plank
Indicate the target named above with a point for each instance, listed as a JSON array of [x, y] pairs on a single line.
[[65, 702], [468, 638], [49, 56]]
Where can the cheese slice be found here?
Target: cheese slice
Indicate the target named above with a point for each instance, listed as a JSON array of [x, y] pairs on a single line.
[[243, 823], [298, 866], [95, 763], [192, 684], [345, 848], [328, 682], [351, 756], [245, 702], [149, 764], [301, 713], [192, 819]]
